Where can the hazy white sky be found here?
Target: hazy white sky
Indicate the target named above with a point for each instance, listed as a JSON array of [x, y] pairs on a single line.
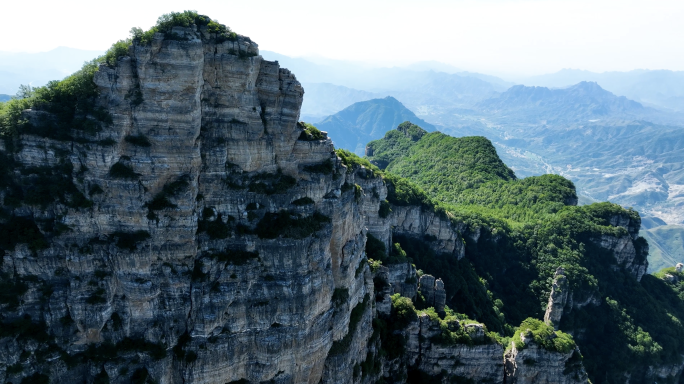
[[513, 36]]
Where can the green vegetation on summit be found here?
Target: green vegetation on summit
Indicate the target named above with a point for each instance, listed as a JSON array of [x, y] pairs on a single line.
[[70, 109], [167, 22], [395, 144], [466, 172]]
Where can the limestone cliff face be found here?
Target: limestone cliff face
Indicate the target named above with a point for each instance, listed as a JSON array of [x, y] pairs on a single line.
[[630, 250], [626, 254], [480, 362], [533, 365], [442, 236], [171, 252], [433, 292]]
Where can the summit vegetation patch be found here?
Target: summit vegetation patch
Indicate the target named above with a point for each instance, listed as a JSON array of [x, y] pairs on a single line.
[[167, 22]]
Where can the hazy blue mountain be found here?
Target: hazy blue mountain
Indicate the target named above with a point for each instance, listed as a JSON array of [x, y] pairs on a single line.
[[658, 88], [365, 121], [561, 79], [310, 72], [435, 92], [4, 97], [324, 99], [498, 82], [580, 102], [39, 68]]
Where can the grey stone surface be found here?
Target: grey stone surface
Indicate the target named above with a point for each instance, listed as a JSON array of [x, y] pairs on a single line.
[[535, 365], [558, 298]]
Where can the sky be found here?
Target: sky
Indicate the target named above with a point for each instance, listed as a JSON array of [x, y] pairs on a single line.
[[524, 37]]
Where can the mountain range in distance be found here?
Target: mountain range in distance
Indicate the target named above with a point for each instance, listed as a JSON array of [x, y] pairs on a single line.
[[423, 91], [661, 89], [611, 147], [656, 88]]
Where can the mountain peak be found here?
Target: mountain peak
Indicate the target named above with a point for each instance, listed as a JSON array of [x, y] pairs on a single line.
[[590, 86], [582, 101], [368, 120], [411, 130]]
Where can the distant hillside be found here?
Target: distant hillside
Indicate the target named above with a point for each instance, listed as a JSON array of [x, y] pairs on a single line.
[[666, 246], [434, 92], [364, 121], [659, 88], [5, 97], [580, 102]]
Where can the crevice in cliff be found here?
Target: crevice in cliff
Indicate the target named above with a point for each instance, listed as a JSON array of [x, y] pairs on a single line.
[[419, 359]]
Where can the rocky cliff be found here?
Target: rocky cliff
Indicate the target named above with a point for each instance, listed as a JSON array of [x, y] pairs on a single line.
[[196, 243], [199, 235]]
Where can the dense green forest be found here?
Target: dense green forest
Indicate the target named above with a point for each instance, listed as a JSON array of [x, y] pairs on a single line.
[[518, 231]]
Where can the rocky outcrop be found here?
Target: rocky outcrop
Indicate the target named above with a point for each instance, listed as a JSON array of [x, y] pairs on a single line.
[[433, 292], [427, 225], [402, 279], [187, 262], [666, 372], [626, 254], [631, 223], [630, 250], [557, 299], [533, 364], [481, 361]]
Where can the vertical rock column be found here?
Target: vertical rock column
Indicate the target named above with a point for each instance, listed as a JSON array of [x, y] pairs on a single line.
[[433, 292], [557, 299]]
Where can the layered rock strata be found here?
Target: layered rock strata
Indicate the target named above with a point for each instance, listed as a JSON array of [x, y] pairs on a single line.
[[184, 250], [480, 362], [533, 364]]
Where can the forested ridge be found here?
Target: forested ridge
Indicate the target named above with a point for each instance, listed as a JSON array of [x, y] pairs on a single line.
[[518, 232]]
